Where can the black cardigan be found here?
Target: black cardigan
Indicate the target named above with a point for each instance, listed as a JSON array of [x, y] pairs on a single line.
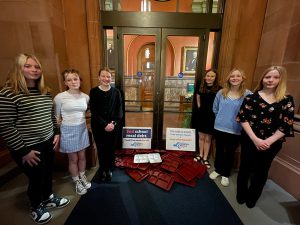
[[105, 106]]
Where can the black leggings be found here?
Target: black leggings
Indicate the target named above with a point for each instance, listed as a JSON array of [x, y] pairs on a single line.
[[39, 176], [106, 145], [226, 144], [254, 168]]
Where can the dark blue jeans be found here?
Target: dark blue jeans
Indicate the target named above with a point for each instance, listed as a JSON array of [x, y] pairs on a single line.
[[39, 176]]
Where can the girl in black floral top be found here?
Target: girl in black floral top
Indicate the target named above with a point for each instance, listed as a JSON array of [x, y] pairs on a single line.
[[266, 117]]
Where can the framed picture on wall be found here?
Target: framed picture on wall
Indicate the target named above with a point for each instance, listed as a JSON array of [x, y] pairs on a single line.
[[189, 59], [110, 57]]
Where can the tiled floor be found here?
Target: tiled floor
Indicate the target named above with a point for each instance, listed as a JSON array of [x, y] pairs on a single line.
[[273, 208]]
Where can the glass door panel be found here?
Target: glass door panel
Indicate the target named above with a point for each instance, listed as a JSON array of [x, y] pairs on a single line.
[[138, 79], [158, 69], [180, 75], [138, 69]]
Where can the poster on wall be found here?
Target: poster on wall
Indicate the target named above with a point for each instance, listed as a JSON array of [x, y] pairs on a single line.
[[181, 139], [136, 137]]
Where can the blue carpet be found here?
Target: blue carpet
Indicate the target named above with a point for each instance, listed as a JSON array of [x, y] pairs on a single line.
[[123, 201]]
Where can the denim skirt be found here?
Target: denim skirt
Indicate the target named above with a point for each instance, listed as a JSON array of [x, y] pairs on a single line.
[[73, 138]]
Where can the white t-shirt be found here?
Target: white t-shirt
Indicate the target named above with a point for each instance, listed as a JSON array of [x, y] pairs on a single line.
[[71, 108]]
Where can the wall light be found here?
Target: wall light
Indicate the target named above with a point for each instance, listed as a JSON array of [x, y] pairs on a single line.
[[145, 5]]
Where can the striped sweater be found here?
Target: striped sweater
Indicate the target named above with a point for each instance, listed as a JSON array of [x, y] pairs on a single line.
[[26, 119]]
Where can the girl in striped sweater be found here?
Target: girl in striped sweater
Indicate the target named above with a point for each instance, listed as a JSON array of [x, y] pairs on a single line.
[[28, 126]]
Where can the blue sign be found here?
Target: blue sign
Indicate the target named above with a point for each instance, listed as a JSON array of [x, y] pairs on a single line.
[[180, 75], [139, 74]]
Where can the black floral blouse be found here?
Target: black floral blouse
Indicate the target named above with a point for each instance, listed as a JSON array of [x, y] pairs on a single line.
[[265, 118]]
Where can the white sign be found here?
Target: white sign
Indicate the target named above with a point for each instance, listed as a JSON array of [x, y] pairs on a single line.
[[181, 139], [136, 137]]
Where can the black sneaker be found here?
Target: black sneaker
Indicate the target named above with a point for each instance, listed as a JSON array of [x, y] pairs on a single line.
[[56, 202], [108, 175], [40, 214], [241, 199], [100, 176], [250, 203]]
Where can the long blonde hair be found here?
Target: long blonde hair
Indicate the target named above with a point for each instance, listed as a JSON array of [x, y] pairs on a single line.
[[227, 85], [16, 80], [280, 90]]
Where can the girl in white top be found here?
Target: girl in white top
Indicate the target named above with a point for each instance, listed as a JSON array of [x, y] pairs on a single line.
[[70, 109]]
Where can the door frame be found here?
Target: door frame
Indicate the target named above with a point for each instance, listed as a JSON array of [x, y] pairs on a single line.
[[120, 31], [201, 62], [161, 35]]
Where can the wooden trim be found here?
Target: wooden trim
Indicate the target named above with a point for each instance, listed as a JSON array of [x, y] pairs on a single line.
[[161, 20], [286, 175], [5, 157]]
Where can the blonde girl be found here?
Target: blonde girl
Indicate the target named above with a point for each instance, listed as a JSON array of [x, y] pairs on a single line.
[[29, 128], [266, 117], [227, 131]]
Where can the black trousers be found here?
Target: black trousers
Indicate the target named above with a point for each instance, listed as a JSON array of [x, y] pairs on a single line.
[[39, 176], [106, 145], [226, 145], [254, 168]]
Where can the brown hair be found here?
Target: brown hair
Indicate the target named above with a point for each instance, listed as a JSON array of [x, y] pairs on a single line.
[[67, 71], [215, 86], [72, 71], [104, 69]]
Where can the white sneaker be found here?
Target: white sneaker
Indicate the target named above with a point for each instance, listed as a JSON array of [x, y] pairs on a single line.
[[80, 189], [40, 214], [84, 182], [56, 202], [225, 181], [213, 175]]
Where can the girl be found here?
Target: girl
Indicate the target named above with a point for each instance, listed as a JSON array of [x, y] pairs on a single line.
[[205, 96], [28, 126], [70, 108], [106, 115], [266, 118], [227, 131]]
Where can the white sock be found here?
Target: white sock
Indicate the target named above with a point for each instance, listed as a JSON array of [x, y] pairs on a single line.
[[81, 173], [76, 178]]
